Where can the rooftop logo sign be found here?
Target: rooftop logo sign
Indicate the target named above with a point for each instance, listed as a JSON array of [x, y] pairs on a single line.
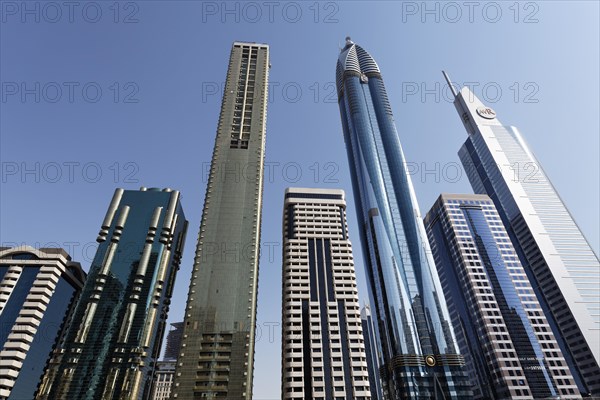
[[486, 112]]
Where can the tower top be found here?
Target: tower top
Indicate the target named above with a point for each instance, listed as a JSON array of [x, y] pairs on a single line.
[[449, 83], [355, 59]]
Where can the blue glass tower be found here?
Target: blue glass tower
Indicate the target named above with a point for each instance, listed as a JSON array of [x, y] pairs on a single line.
[[509, 347], [114, 338], [419, 356], [366, 320]]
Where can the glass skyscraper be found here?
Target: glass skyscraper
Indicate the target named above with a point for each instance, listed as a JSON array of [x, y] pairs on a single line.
[[371, 348], [509, 348], [38, 291], [560, 263], [419, 353], [115, 336], [217, 352]]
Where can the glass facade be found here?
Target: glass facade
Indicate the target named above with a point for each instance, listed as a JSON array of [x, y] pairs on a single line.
[[563, 269], [419, 354], [508, 344], [38, 288], [115, 335], [371, 348]]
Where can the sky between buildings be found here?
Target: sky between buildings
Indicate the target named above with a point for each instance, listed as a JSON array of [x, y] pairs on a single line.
[[99, 95]]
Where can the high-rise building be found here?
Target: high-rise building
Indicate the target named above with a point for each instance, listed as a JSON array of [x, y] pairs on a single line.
[[419, 354], [38, 290], [174, 338], [115, 336], [509, 347], [163, 380], [563, 268], [371, 352], [323, 354], [217, 351]]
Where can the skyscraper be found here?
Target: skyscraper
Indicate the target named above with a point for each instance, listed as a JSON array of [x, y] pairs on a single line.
[[560, 263], [509, 347], [419, 354], [115, 336], [217, 353], [174, 338], [323, 355], [163, 380], [371, 347], [38, 289]]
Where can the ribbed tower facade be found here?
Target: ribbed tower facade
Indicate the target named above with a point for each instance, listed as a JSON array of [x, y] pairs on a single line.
[[323, 354], [38, 292], [509, 347], [419, 354], [115, 336], [217, 352], [562, 267]]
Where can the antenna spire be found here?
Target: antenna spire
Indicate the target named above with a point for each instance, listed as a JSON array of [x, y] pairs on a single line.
[[450, 83]]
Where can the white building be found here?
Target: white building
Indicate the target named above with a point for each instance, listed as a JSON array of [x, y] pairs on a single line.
[[323, 351], [163, 379]]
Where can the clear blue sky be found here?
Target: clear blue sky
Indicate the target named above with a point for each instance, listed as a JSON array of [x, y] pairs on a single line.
[[154, 122]]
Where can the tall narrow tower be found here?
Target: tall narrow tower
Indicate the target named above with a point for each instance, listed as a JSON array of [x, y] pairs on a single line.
[[217, 351], [323, 354], [419, 356], [563, 268]]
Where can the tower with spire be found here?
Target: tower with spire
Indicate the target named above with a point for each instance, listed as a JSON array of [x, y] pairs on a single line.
[[418, 354], [560, 263]]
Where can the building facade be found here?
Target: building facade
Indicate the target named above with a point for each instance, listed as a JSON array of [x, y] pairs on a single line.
[[371, 347], [38, 290], [323, 354], [163, 380], [563, 269], [174, 338], [115, 336], [217, 353], [509, 347], [419, 356]]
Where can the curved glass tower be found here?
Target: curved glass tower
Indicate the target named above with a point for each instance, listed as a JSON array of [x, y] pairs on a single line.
[[418, 356]]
